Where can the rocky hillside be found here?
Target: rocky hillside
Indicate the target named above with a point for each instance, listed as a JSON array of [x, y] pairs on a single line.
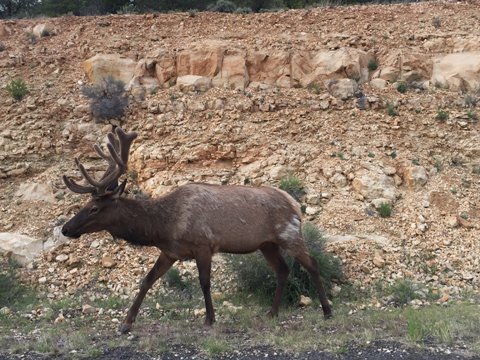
[[367, 105]]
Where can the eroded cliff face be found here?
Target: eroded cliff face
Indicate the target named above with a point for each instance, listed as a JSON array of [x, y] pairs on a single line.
[[253, 98]]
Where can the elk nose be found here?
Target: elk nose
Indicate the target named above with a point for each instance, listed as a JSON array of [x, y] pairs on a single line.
[[65, 230]]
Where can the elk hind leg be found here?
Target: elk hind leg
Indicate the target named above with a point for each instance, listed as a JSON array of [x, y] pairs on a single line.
[[311, 265], [271, 252], [161, 266]]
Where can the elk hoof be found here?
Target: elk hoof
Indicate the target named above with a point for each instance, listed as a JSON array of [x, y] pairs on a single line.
[[209, 322], [272, 314], [327, 316], [125, 328]]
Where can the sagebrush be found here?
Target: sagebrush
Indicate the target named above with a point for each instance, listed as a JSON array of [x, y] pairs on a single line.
[[108, 99]]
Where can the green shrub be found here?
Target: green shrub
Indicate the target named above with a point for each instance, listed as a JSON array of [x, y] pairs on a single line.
[[257, 278], [442, 115], [174, 280], [13, 293], [243, 10], [373, 65], [391, 111], [384, 210], [314, 88], [404, 291], [108, 100], [436, 22], [223, 6], [2, 47], [402, 87], [472, 115], [293, 186], [17, 88]]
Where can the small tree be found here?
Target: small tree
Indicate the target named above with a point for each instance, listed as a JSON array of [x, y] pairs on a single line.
[[108, 99]]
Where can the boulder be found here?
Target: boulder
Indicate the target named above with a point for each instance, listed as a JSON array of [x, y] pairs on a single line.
[[40, 30], [378, 83], [308, 68], [145, 76], [270, 69], [458, 71], [35, 192], [373, 185], [194, 83], [405, 66], [55, 240], [165, 68], [233, 74], [21, 247], [204, 60], [342, 88], [101, 66], [414, 176]]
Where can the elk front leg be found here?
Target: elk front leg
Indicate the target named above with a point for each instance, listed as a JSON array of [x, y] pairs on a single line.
[[161, 266], [204, 266]]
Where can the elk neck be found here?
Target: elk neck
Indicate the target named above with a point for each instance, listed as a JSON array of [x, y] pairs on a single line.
[[142, 222]]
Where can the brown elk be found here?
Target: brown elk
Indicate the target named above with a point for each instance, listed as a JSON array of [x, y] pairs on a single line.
[[195, 221]]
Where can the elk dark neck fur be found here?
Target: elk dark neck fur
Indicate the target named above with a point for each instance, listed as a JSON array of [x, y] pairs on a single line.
[[143, 222]]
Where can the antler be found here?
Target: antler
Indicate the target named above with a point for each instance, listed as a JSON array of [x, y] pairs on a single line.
[[118, 148]]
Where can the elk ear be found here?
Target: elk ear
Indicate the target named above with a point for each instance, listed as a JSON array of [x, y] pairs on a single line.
[[120, 189]]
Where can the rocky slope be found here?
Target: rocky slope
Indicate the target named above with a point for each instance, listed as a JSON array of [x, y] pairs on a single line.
[[354, 147]]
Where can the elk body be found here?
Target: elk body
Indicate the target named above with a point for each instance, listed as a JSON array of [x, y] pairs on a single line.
[[195, 221]]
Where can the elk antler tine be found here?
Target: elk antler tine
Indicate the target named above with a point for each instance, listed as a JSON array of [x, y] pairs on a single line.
[[114, 141], [100, 152], [114, 155], [86, 175], [126, 140], [80, 189]]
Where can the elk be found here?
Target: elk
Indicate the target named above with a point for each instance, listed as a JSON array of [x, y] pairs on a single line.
[[194, 221]]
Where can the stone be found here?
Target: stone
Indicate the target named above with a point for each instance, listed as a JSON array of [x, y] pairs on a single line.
[[108, 262], [269, 68], [56, 239], [378, 83], [102, 66], [305, 301], [165, 68], [233, 74], [415, 176], [316, 67], [88, 309], [378, 260], [40, 30], [199, 312], [21, 247], [35, 192], [59, 319], [279, 172], [61, 258], [342, 88], [194, 83], [311, 210], [339, 180], [372, 185], [202, 60], [458, 71]]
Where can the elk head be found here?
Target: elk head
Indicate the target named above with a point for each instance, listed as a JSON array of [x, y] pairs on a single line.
[[99, 212]]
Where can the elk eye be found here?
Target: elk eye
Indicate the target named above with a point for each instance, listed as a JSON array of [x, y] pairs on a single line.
[[93, 210]]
